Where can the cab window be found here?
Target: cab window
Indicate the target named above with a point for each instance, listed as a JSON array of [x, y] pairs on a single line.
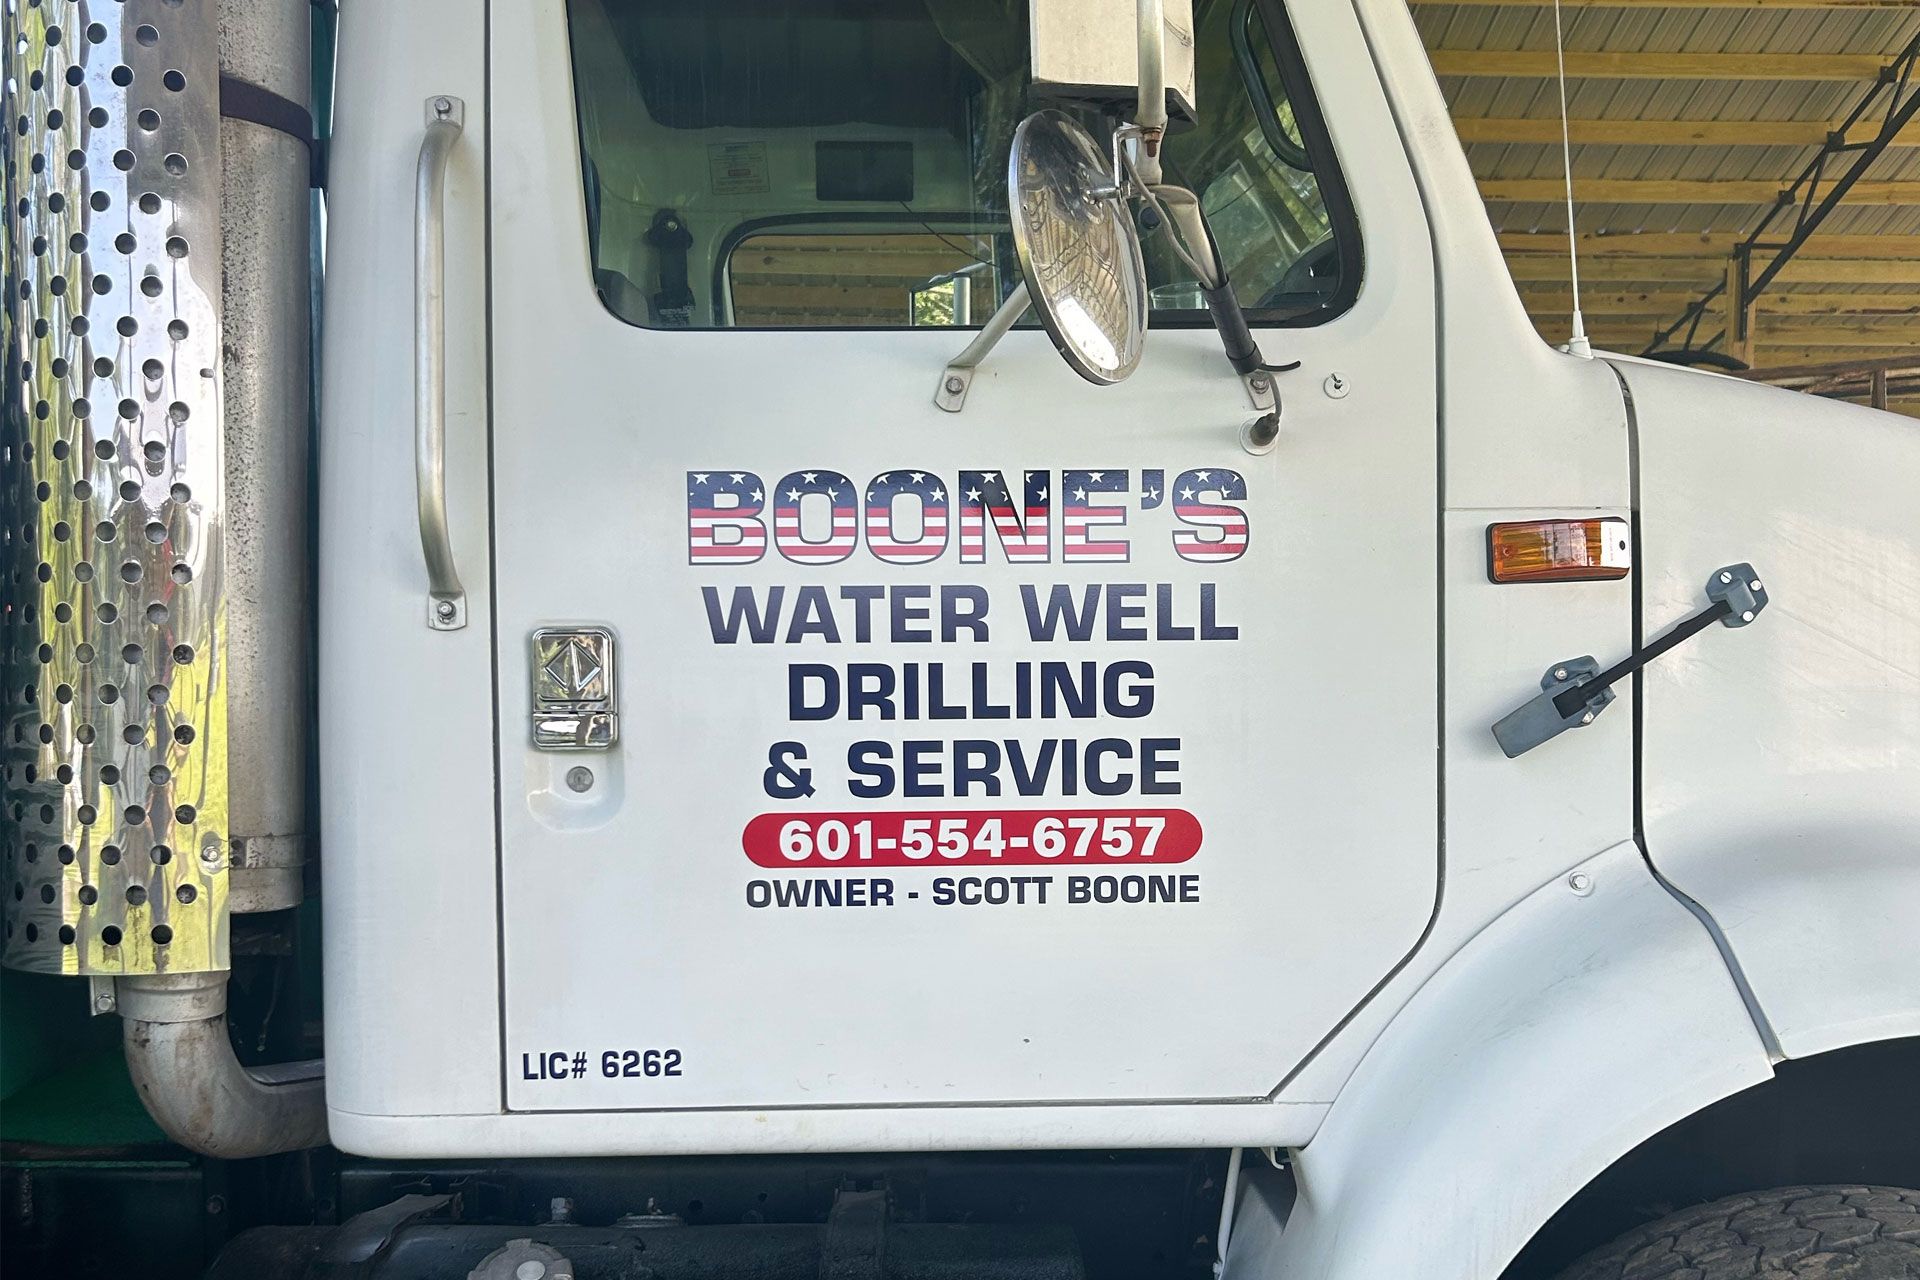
[[797, 164]]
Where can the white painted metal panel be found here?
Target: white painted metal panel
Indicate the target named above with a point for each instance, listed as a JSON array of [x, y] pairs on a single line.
[[406, 727], [1576, 1025], [1307, 745], [1781, 761]]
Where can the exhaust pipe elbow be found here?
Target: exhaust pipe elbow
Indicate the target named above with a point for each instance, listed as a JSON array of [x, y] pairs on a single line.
[[184, 1068]]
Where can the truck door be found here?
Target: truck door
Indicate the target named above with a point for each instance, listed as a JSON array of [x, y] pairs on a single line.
[[854, 752]]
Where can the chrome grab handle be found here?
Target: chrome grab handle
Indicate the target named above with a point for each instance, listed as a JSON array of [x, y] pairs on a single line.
[[447, 599]]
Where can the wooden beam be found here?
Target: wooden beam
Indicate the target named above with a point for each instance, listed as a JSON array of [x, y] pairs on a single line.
[[1667, 133], [1779, 357], [1880, 336], [1692, 244], [1896, 334], [1677, 191], [1705, 271], [1672, 305], [1693, 4], [883, 263], [1650, 304], [1810, 305], [765, 293], [1540, 63]]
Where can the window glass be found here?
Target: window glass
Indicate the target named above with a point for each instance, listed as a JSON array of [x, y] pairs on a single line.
[[800, 163]]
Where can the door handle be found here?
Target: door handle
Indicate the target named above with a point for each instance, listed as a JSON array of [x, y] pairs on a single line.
[[446, 598]]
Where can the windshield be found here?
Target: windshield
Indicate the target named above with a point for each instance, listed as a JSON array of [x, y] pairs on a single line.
[[800, 163]]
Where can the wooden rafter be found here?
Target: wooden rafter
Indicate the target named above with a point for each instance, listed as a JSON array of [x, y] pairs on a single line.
[[1868, 335], [1664, 305], [1682, 271], [1677, 191], [1688, 244], [1860, 67], [1668, 133], [1696, 4]]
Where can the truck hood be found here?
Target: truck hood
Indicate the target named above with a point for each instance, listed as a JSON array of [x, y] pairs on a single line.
[[1780, 761]]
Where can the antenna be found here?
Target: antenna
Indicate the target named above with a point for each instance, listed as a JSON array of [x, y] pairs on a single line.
[[1576, 345]]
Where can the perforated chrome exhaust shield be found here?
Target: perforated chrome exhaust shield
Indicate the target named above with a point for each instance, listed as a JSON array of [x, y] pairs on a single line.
[[111, 504]]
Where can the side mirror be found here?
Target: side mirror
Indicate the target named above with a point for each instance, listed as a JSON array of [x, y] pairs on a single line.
[[1074, 235]]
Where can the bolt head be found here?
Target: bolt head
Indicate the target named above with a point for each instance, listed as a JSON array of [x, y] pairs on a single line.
[[442, 106], [1587, 718], [103, 1002], [444, 610], [1754, 585], [1259, 382], [1559, 673], [1747, 616], [531, 1269], [1581, 883], [955, 385]]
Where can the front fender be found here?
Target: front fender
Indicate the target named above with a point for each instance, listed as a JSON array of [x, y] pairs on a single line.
[[1569, 1030], [1780, 762]]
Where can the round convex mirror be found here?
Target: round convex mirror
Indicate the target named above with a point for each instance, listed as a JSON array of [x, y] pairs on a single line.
[[1078, 247]]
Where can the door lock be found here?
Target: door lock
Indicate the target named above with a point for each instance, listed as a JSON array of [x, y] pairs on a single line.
[[574, 707], [1575, 692]]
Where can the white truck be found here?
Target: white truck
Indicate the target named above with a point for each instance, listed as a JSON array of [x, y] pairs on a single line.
[[796, 782]]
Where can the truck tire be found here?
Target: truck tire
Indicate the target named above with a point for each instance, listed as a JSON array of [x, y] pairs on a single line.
[[1809, 1233]]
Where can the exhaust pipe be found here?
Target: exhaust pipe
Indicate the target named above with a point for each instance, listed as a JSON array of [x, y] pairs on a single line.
[[184, 1068], [178, 1050]]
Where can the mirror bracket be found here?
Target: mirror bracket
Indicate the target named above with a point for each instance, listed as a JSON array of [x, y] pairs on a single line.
[[1260, 392], [957, 377]]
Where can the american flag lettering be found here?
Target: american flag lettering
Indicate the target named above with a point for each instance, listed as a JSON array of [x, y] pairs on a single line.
[[842, 528], [723, 517], [1025, 532], [1202, 499], [891, 492], [1086, 515]]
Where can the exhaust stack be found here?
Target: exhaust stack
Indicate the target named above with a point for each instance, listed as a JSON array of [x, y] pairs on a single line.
[[154, 476]]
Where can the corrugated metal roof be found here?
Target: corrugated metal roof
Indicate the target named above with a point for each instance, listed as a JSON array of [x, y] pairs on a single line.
[[1881, 32]]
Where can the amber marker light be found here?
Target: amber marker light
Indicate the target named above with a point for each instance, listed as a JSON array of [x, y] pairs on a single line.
[[1559, 550]]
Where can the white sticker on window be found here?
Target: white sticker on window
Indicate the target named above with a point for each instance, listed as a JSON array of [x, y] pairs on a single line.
[[737, 168]]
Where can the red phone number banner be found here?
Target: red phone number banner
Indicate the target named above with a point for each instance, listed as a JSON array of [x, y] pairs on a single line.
[[1004, 837]]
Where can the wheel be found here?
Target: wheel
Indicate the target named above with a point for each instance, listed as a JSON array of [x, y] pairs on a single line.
[[1809, 1233]]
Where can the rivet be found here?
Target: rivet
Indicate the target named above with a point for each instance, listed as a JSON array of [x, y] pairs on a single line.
[[1754, 585], [531, 1269], [580, 778], [1581, 883], [955, 385]]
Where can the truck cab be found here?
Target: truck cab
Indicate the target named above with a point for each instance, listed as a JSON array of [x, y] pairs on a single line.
[[777, 724]]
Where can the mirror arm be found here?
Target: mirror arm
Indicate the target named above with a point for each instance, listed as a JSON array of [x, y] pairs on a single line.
[[1151, 111], [951, 394], [1182, 207]]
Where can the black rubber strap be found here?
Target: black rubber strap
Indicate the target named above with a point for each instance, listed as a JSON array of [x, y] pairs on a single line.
[[1571, 700], [1242, 352], [240, 100]]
